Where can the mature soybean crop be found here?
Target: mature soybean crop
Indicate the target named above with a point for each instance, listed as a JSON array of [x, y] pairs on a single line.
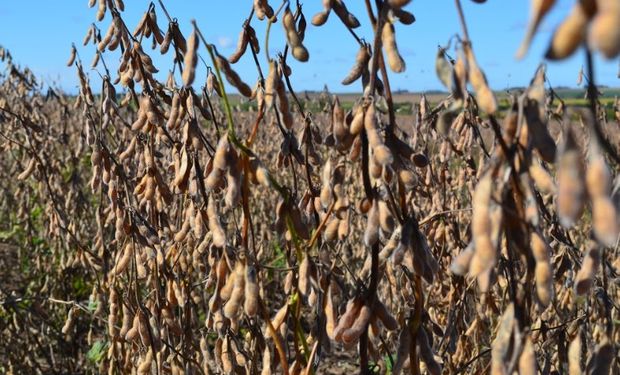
[[158, 228]]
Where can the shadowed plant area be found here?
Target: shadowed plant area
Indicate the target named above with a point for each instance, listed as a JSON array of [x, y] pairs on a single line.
[[232, 224]]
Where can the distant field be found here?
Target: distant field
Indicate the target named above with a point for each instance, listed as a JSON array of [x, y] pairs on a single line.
[[404, 101]]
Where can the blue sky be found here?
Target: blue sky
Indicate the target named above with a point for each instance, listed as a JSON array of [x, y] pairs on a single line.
[[39, 34]]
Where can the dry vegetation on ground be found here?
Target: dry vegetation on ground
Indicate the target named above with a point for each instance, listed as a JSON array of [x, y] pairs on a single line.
[[154, 229]]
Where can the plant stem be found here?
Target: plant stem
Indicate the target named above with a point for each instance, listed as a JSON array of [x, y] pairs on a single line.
[[592, 99], [459, 9]]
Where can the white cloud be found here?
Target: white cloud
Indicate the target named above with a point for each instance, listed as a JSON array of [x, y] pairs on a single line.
[[224, 41]]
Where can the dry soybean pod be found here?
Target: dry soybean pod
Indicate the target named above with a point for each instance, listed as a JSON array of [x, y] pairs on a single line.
[[398, 3], [569, 35], [191, 59], [538, 10], [589, 267], [293, 38], [381, 152], [484, 252], [330, 313], [570, 179], [231, 308], [349, 316], [604, 213], [250, 304], [602, 359], [388, 38], [361, 63], [543, 272], [426, 352], [371, 234], [343, 13], [388, 320], [358, 326], [262, 9], [604, 33], [231, 76], [28, 170], [485, 97], [527, 359], [72, 56], [242, 45], [574, 356]]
